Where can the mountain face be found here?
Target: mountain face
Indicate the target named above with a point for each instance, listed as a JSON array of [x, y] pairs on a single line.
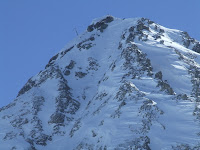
[[123, 84]]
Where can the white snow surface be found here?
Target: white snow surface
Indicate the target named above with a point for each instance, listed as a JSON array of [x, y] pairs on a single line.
[[108, 95]]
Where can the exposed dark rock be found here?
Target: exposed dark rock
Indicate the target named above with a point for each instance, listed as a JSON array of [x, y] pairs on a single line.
[[29, 141], [141, 27], [53, 58], [101, 95], [8, 106], [92, 38], [66, 106], [101, 25], [164, 84], [158, 75], [32, 148], [131, 29], [161, 41], [76, 127], [141, 143], [108, 19], [90, 28], [10, 135], [156, 27], [83, 146], [183, 147], [57, 118], [186, 35], [65, 103], [67, 72], [42, 139], [51, 72], [132, 55], [161, 31], [182, 96], [71, 65], [157, 36], [149, 113], [118, 112], [194, 71], [150, 22], [93, 64], [51, 61], [196, 113], [26, 87], [66, 51], [165, 87], [187, 40], [145, 20], [13, 148], [125, 89], [37, 103], [80, 74], [130, 38], [123, 36], [112, 66], [186, 43], [196, 48], [101, 123], [120, 46], [84, 45], [94, 134], [38, 140], [18, 122]]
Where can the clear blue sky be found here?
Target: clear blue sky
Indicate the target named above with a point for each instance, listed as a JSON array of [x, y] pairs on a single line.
[[32, 31]]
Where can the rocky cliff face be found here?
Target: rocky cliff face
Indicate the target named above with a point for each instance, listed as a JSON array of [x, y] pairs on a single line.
[[122, 84]]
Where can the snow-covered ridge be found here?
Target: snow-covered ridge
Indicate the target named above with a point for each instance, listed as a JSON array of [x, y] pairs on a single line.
[[122, 84]]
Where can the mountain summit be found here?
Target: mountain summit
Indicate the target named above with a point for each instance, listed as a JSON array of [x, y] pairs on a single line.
[[123, 84]]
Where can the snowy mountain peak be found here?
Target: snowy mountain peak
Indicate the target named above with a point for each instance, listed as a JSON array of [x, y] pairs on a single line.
[[122, 84]]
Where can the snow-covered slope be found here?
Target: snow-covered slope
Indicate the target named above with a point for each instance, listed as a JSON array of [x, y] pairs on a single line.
[[122, 84]]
